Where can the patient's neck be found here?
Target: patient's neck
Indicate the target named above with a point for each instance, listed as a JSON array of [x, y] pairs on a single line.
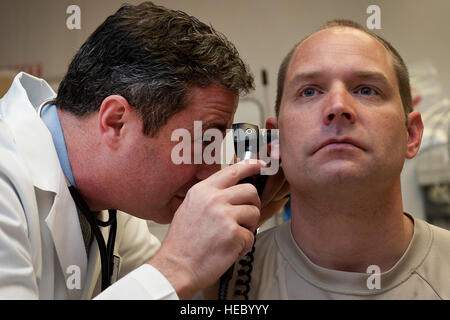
[[349, 232]]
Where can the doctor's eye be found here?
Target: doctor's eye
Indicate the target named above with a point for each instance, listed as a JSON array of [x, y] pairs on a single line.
[[208, 139]]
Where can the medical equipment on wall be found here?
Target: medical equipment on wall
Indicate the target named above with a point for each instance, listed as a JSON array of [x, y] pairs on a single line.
[[433, 164]]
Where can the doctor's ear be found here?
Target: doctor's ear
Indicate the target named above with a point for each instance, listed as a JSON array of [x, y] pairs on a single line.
[[112, 117]]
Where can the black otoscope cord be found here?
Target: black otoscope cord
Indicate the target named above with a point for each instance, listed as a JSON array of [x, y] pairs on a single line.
[[245, 271], [106, 251]]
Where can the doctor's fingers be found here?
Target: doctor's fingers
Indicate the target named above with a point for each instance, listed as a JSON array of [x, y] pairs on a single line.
[[245, 216], [245, 193], [238, 232], [247, 239], [234, 173]]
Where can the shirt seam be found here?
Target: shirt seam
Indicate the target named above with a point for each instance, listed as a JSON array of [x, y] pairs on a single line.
[[429, 284]]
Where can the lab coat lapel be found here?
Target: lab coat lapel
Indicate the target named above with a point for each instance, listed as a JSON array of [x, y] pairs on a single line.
[[32, 137], [64, 226], [93, 271]]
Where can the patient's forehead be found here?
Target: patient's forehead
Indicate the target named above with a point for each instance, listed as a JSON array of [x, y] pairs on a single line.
[[328, 47]]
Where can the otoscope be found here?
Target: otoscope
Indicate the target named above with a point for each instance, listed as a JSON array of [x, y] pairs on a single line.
[[247, 139]]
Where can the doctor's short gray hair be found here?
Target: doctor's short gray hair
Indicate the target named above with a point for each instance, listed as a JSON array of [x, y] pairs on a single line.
[[151, 56]]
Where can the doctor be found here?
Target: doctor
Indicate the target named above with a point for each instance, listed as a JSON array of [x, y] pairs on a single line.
[[103, 143]]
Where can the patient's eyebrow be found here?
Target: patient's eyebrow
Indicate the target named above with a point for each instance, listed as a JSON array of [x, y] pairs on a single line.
[[305, 76], [374, 76]]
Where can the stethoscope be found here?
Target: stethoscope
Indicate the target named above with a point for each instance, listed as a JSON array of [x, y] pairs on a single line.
[[106, 250]]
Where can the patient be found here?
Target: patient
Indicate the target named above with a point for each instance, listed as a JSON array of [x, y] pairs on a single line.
[[346, 124]]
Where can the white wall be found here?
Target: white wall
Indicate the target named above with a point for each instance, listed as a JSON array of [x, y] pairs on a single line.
[[262, 30]]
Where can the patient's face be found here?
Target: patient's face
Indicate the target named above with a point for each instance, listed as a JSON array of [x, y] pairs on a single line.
[[341, 118]]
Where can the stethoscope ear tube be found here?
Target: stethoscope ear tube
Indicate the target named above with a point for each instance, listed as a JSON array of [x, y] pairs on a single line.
[[106, 251]]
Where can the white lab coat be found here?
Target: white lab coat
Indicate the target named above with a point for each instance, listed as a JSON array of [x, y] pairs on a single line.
[[42, 253]]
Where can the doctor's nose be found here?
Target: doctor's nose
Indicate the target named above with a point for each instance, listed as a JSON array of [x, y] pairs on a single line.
[[339, 107]]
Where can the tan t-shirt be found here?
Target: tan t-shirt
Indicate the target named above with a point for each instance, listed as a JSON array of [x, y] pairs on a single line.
[[282, 271]]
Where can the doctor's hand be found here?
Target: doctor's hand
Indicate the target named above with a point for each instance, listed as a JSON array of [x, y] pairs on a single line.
[[211, 229]]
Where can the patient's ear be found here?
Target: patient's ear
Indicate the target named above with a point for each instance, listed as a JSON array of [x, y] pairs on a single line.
[[273, 150], [271, 123], [415, 132], [113, 115]]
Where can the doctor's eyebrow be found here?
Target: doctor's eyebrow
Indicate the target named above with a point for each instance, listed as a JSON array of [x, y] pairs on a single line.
[[222, 127], [215, 125]]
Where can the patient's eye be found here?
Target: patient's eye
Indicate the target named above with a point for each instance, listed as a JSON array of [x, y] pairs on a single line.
[[366, 91], [308, 92]]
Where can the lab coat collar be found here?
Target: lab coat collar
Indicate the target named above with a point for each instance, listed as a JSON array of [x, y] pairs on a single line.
[[19, 108]]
